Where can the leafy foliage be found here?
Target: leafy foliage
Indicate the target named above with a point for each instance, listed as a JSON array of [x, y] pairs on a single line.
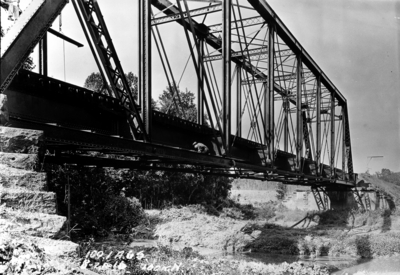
[[389, 176], [96, 205], [281, 191], [95, 83], [170, 100], [163, 188]]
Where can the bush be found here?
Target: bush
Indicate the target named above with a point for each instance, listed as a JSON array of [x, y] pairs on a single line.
[[121, 214], [95, 203], [266, 210], [97, 207]]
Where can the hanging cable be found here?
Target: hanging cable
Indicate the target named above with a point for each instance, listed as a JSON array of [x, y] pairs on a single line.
[[63, 41]]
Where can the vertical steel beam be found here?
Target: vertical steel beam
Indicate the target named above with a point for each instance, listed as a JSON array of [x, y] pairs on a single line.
[[286, 107], [318, 145], [343, 144], [306, 136], [140, 50], [269, 98], [43, 56], [226, 71], [145, 62], [200, 86], [333, 149], [349, 155], [299, 117], [239, 101]]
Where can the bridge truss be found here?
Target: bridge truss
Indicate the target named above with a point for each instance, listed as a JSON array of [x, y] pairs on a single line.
[[265, 109]]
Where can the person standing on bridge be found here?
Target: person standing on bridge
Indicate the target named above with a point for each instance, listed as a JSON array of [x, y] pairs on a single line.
[[13, 9], [200, 147]]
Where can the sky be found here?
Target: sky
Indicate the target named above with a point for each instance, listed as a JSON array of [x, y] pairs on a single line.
[[355, 42]]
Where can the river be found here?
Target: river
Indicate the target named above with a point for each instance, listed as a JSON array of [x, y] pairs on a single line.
[[346, 265]]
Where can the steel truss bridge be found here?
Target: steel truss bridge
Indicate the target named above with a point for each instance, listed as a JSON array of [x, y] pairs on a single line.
[[265, 109]]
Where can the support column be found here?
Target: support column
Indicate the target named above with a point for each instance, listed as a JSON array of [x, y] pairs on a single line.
[[299, 117], [343, 144], [269, 108], [332, 160], [349, 155], [200, 86], [286, 108], [239, 101], [226, 59], [43, 61], [318, 145], [145, 63]]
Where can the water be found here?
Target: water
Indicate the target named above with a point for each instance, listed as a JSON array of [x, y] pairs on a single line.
[[346, 265], [381, 266]]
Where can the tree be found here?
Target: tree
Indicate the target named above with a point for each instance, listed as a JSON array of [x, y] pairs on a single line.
[[95, 83], [187, 108], [389, 176]]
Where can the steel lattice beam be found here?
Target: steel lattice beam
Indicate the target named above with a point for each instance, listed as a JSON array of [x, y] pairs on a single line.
[[191, 13], [101, 40], [24, 35], [259, 53], [246, 22]]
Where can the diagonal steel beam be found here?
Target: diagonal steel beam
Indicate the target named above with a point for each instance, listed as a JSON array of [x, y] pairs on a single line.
[[102, 42], [23, 36]]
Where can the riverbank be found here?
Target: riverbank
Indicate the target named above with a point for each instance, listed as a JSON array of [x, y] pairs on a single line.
[[190, 240], [333, 233], [341, 234]]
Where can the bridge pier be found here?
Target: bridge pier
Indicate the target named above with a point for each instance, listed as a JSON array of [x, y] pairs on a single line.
[[362, 198]]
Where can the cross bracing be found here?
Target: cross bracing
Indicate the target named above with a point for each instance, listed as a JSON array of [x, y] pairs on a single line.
[[263, 103]]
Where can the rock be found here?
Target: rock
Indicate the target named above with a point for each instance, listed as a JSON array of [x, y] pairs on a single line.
[[23, 254], [30, 201], [33, 224], [18, 178], [55, 247], [20, 161], [16, 140], [4, 115]]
